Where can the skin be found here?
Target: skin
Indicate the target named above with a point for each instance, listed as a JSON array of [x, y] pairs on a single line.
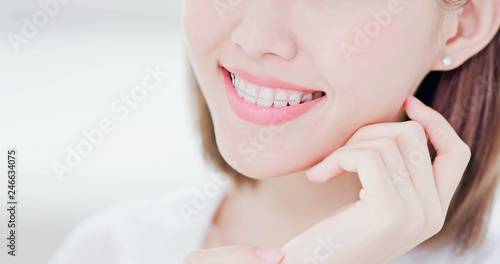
[[359, 140]]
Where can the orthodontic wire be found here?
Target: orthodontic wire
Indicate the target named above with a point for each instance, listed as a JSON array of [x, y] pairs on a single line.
[[279, 100]]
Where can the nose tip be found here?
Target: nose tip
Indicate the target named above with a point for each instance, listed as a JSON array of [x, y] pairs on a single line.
[[261, 32], [257, 45]]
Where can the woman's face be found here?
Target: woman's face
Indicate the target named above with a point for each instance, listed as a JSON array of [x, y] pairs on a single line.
[[358, 59]]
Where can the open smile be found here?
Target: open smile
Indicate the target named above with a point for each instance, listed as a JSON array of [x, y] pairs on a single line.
[[266, 101]]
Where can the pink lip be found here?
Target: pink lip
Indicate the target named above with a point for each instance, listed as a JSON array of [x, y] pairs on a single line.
[[262, 115]]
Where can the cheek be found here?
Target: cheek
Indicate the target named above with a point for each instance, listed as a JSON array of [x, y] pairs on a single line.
[[203, 29], [375, 61], [204, 32]]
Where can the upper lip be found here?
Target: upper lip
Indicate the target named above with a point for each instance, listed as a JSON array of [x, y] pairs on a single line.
[[267, 81]]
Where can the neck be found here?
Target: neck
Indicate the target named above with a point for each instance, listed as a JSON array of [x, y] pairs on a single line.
[[294, 195], [278, 209]]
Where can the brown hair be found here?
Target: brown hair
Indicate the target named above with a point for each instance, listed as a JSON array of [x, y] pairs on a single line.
[[468, 97]]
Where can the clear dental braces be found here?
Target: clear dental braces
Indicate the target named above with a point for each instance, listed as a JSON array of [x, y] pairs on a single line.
[[299, 99]]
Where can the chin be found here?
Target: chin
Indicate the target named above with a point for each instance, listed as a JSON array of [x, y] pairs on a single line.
[[273, 161]]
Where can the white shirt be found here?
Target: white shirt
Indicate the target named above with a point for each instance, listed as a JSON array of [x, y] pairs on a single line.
[[165, 228]]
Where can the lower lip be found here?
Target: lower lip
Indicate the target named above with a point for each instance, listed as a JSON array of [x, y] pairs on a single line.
[[262, 115]]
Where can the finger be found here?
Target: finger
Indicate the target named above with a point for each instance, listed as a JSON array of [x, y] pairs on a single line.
[[411, 140], [235, 254], [396, 167], [369, 166], [453, 154]]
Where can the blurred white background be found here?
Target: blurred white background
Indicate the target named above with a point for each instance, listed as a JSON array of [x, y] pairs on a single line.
[[64, 80]]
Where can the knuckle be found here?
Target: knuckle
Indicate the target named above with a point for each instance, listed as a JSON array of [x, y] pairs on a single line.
[[440, 224], [437, 225], [415, 128], [466, 150], [435, 221], [372, 154]]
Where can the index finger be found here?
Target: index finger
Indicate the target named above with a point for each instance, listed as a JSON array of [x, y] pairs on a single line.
[[453, 154]]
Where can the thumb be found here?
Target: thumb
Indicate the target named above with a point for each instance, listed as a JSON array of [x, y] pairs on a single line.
[[235, 254]]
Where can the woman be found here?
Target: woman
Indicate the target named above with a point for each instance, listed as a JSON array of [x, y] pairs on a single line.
[[308, 106]]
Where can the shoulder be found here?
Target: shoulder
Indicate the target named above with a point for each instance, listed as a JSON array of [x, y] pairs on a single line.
[[148, 229]]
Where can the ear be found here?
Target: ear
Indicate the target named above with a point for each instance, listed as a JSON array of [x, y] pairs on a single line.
[[468, 32]]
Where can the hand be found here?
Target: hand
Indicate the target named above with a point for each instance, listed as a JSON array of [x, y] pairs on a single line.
[[404, 197], [235, 255]]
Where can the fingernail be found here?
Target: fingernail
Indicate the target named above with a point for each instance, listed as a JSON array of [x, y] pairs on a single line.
[[269, 254]]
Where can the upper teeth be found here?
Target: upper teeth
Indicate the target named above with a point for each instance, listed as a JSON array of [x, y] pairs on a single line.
[[265, 96]]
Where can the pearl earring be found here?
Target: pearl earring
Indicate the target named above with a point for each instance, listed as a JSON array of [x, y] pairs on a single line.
[[447, 61]]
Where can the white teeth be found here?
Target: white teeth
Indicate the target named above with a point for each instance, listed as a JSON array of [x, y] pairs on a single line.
[[251, 94], [280, 98], [242, 88], [294, 98], [265, 96], [306, 98]]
